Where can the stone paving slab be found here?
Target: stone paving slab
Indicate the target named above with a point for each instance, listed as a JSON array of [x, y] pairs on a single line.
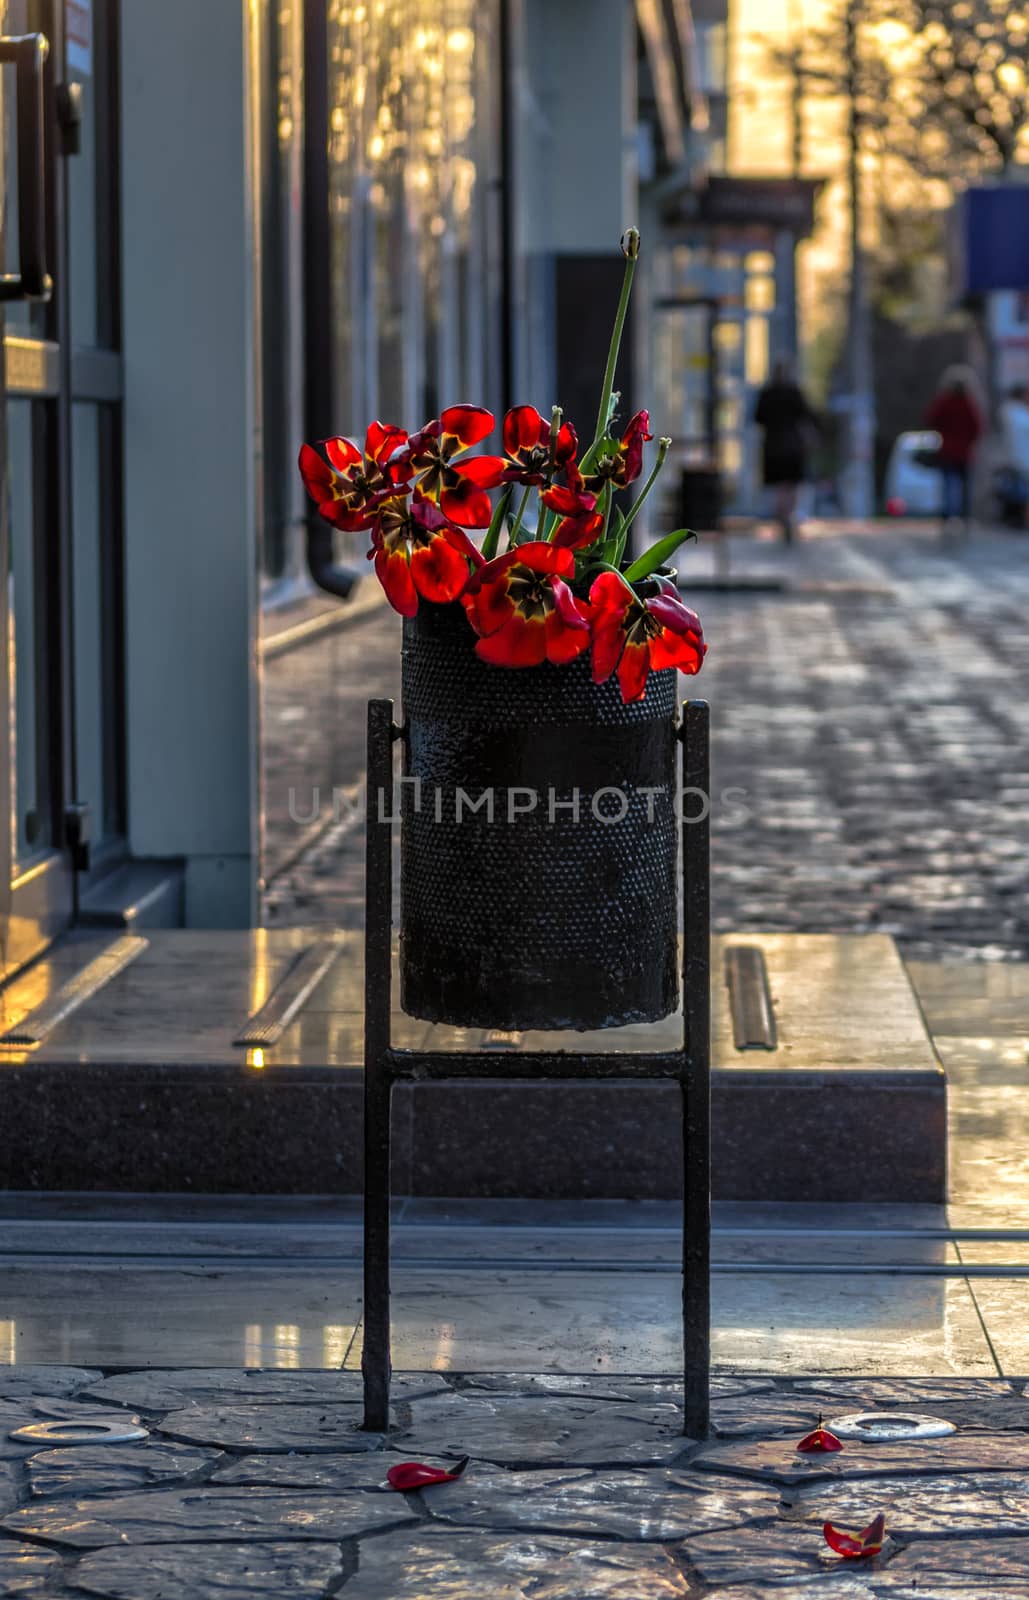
[[590, 1493], [166, 1516], [320, 1474], [31, 1380], [773, 1553], [203, 1571], [974, 1569], [533, 1431], [926, 1508], [599, 1387], [778, 1460], [867, 1394], [111, 1469], [451, 1566], [26, 1571], [173, 1390], [273, 1429], [644, 1506]]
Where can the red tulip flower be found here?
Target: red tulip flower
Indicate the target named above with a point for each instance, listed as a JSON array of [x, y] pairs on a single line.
[[352, 483], [522, 609], [850, 1545], [417, 552], [527, 446], [631, 635], [620, 467], [459, 490]]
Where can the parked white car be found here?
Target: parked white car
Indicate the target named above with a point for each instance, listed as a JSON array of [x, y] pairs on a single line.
[[912, 489]]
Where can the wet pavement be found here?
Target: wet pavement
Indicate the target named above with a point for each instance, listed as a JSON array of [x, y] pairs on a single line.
[[870, 723], [577, 1488]]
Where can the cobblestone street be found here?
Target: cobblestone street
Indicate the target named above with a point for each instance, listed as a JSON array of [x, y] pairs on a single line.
[[871, 743]]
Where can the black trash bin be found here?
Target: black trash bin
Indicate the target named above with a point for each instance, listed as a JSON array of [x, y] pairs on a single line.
[[700, 499]]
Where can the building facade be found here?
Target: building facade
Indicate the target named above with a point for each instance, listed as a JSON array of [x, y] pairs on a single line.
[[261, 224]]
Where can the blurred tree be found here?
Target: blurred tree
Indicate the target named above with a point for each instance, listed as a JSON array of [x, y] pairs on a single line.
[[937, 96], [964, 107]]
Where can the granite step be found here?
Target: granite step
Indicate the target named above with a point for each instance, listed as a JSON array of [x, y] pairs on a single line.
[[143, 1087]]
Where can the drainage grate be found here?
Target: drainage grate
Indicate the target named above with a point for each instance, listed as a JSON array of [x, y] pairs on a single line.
[[750, 999]]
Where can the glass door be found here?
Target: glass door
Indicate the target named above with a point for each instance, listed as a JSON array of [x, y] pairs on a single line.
[[60, 783]]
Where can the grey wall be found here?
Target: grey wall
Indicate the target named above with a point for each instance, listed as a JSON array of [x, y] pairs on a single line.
[[190, 434]]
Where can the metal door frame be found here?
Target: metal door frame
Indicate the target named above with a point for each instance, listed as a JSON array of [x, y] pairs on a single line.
[[48, 370]]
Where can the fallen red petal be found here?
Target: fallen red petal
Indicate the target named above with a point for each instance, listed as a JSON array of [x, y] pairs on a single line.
[[408, 1475], [820, 1439], [853, 1545]]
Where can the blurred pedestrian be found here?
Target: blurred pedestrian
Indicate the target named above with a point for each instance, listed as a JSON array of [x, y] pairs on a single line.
[[1012, 478], [956, 415], [790, 427]]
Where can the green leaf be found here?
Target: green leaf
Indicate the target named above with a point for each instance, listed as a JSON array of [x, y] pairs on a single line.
[[492, 539], [658, 554], [608, 549]]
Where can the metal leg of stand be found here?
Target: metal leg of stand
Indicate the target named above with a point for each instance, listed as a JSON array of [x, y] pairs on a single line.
[[375, 1358], [696, 1082]]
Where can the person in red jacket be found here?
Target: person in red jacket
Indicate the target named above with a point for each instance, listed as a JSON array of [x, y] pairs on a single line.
[[957, 418]]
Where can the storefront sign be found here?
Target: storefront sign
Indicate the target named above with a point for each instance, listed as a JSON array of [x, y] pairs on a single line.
[[787, 203], [78, 23]]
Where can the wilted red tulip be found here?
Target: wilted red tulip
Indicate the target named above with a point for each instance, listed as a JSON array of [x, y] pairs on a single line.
[[418, 553], [620, 466], [408, 1475], [851, 1545], [350, 485], [523, 611], [820, 1439], [531, 456], [460, 490], [632, 634]]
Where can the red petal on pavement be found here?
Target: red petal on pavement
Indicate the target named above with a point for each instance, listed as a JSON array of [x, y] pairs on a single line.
[[394, 573], [343, 453], [851, 1545], [819, 1438], [467, 423], [407, 1475]]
